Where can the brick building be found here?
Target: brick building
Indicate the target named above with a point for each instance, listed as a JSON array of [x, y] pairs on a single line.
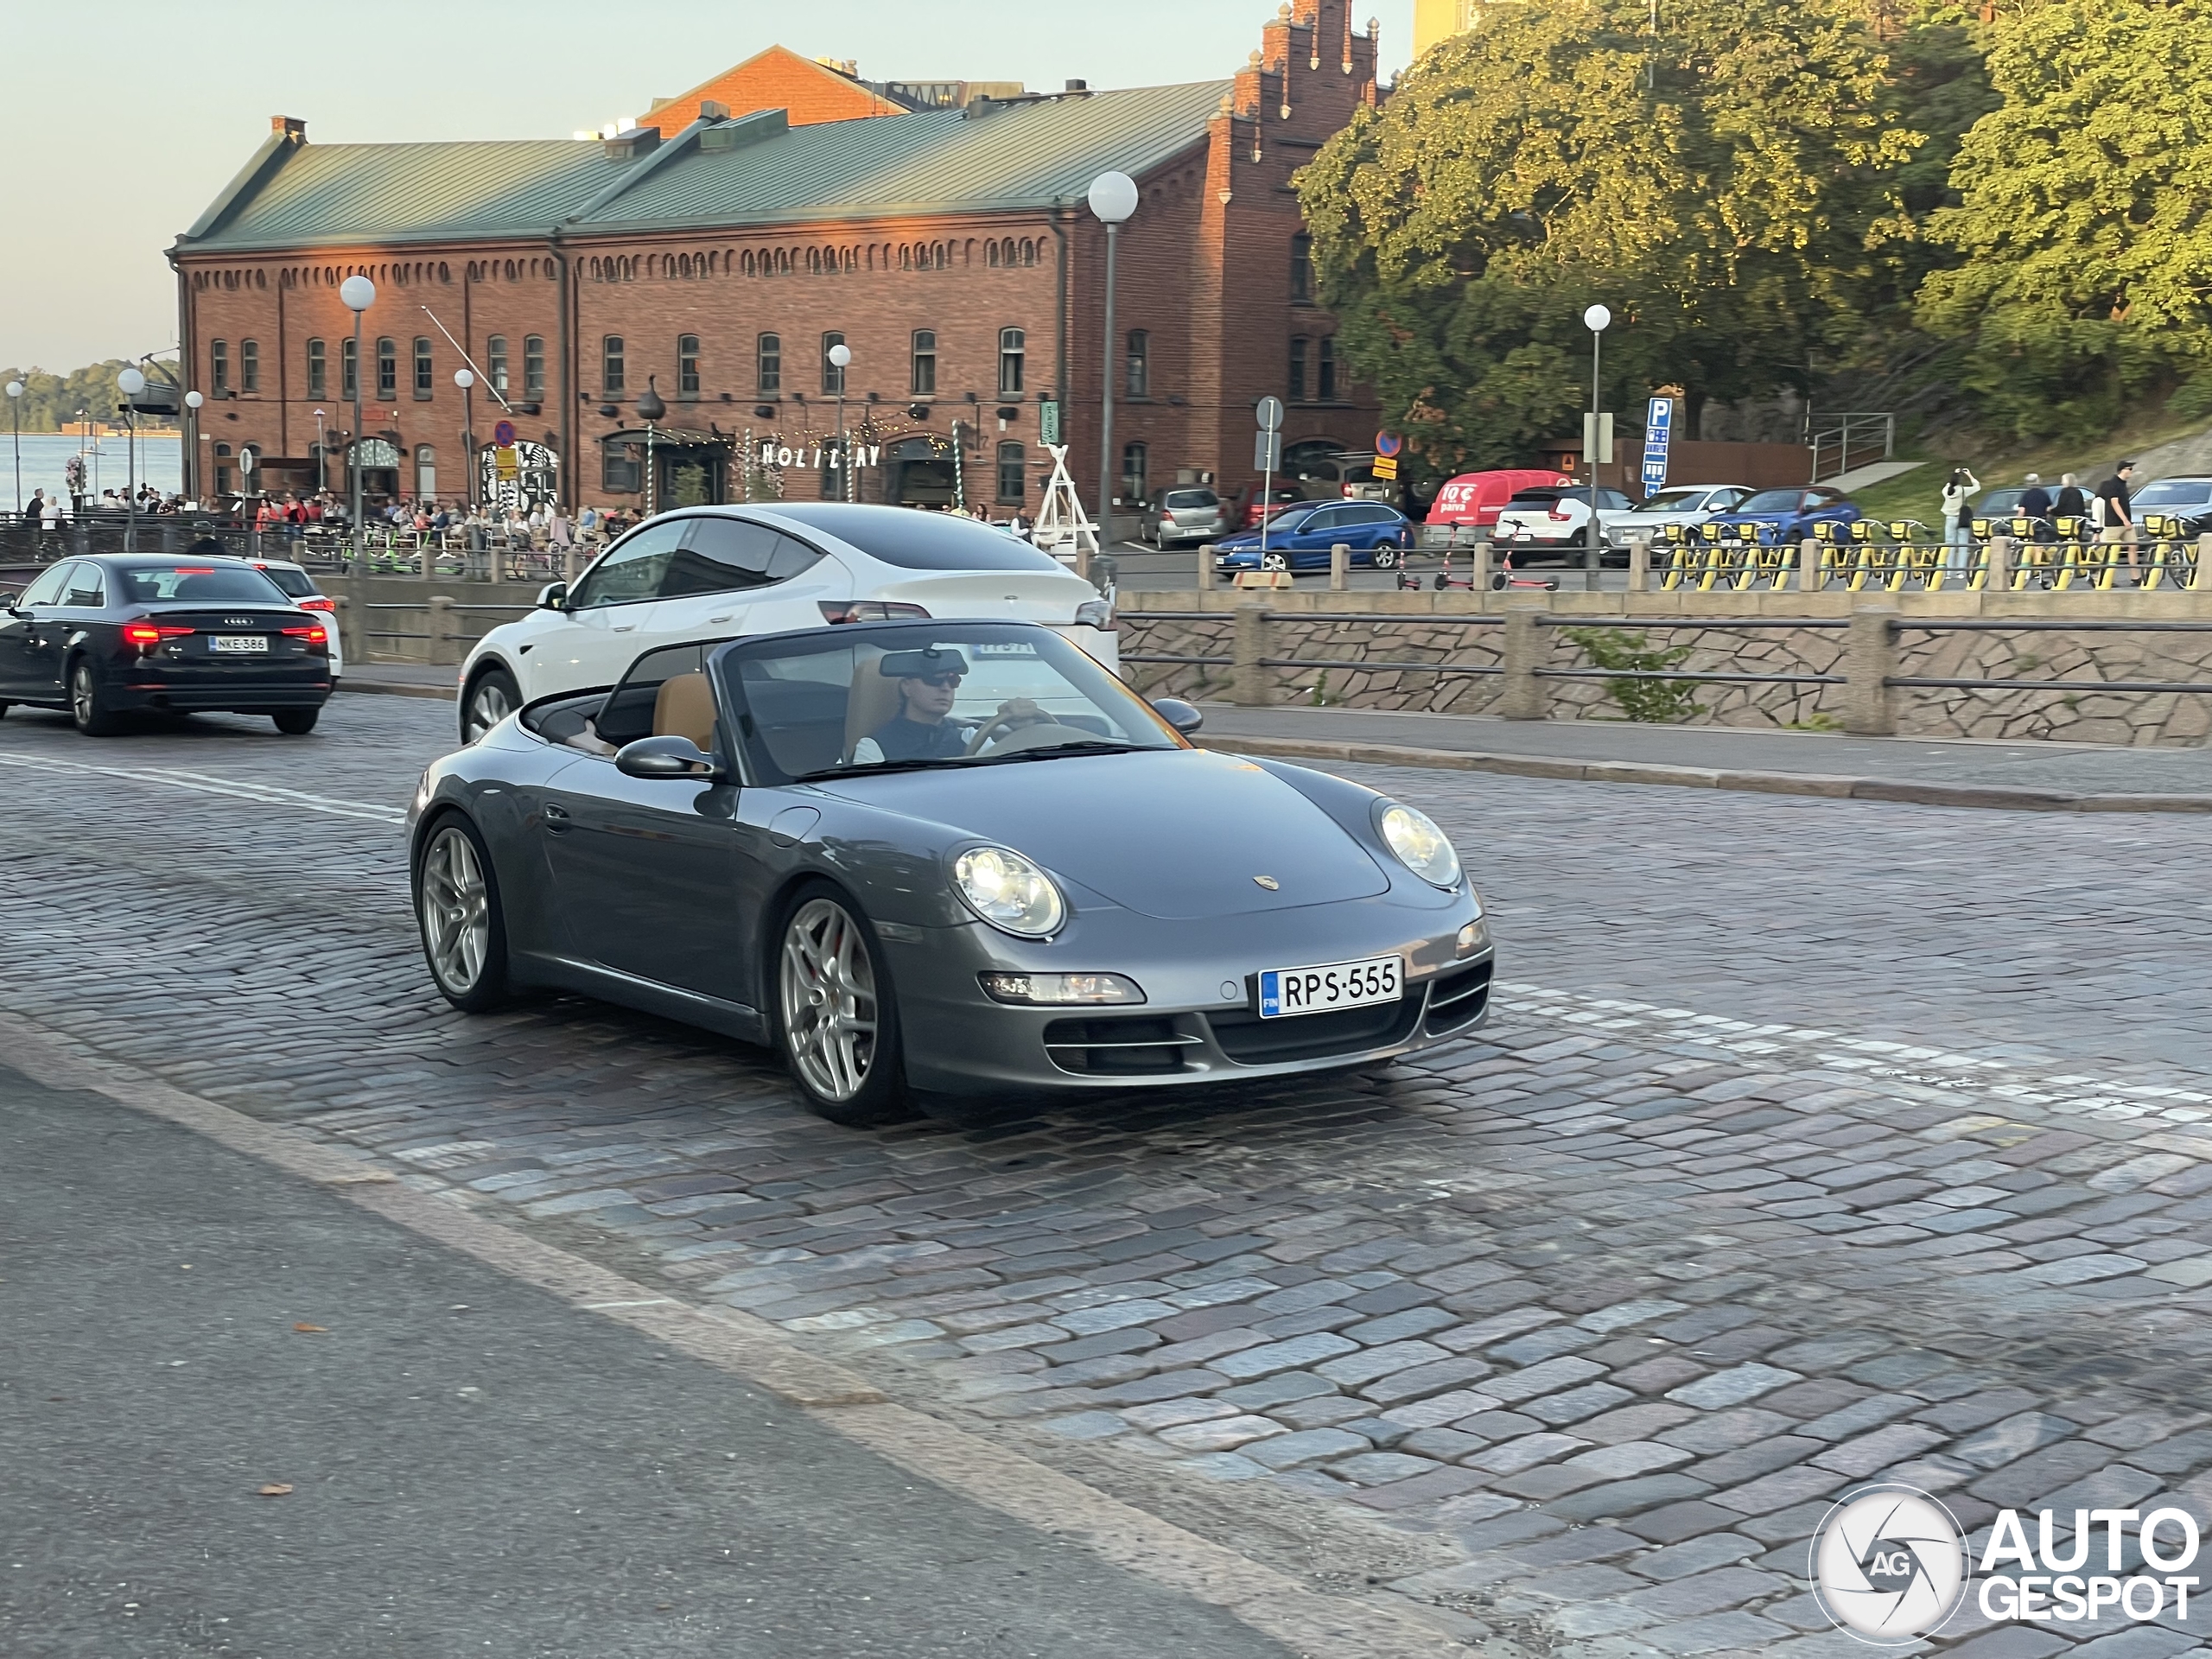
[[806, 89], [950, 250]]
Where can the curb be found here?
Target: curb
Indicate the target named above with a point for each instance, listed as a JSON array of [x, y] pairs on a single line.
[[394, 689], [1989, 797]]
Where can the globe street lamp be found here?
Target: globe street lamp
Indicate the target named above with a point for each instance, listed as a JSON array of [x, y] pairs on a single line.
[[131, 383], [15, 406], [321, 478], [359, 294], [1597, 319], [1113, 199], [466, 381], [840, 355], [189, 474]]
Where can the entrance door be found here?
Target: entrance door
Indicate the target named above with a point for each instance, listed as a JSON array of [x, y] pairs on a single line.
[[922, 473], [690, 475]]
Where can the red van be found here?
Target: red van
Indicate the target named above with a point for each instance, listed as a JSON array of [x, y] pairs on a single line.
[[1472, 500]]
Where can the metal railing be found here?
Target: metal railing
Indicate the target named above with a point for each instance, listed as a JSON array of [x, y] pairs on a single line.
[[1863, 431]]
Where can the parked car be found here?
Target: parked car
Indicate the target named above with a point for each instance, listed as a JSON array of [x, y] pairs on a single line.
[[1784, 514], [1186, 514], [298, 586], [1553, 519], [722, 572], [1302, 537], [2189, 500], [1998, 504], [1690, 504], [110, 635], [901, 854], [1473, 500], [1249, 508], [1362, 486]]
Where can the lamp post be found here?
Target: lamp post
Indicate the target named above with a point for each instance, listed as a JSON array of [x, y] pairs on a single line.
[[1597, 319], [322, 457], [189, 474], [15, 407], [359, 294], [840, 355], [650, 408], [131, 383], [1113, 199], [466, 380]]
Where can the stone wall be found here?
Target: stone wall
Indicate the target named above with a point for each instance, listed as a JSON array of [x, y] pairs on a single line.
[[1465, 631]]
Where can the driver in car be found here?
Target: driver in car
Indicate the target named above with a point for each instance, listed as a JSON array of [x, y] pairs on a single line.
[[922, 729]]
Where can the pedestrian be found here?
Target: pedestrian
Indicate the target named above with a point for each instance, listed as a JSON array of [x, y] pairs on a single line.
[[2072, 501], [2116, 524], [2035, 500], [1958, 533], [37, 506], [50, 514]]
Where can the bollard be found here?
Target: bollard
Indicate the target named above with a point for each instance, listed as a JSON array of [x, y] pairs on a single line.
[[495, 570], [353, 626], [1339, 567], [1639, 565], [1205, 568], [2202, 582], [1478, 565], [1869, 661], [2001, 565], [445, 632], [1083, 561], [1251, 683], [1808, 567], [1527, 648]]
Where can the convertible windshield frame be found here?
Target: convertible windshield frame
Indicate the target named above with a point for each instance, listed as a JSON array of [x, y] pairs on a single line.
[[791, 698]]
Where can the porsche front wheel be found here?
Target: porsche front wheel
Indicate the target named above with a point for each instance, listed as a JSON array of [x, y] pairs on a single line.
[[836, 1017]]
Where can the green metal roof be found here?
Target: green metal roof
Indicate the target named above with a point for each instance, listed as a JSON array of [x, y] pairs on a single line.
[[1018, 155], [414, 192], [1030, 154]]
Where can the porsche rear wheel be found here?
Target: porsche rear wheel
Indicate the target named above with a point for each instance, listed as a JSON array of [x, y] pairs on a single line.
[[837, 1018]]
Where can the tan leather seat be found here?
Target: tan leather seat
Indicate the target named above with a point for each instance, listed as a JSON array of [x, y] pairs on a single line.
[[684, 707], [872, 702]]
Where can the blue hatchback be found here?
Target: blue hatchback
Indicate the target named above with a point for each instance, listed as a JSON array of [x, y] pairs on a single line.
[[1299, 539], [1783, 516]]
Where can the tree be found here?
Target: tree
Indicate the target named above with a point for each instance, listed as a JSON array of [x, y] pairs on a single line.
[[51, 401], [1717, 185], [2084, 227]]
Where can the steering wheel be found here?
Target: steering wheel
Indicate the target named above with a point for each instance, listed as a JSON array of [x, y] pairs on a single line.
[[1010, 717], [1033, 735]]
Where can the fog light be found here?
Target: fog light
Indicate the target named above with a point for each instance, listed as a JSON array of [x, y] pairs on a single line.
[[1060, 990], [1469, 937]]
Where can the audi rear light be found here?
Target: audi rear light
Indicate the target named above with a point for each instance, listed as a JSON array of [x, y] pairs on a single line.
[[316, 602], [150, 636], [869, 610], [315, 633]]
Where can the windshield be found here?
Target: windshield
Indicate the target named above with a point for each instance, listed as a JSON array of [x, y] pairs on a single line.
[[1673, 501], [917, 540], [858, 699], [2175, 493], [1191, 499], [217, 584], [296, 584], [1771, 501]]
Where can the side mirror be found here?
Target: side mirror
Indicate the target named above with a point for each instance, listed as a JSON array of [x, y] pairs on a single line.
[[665, 757], [553, 596], [7, 602], [1183, 716]]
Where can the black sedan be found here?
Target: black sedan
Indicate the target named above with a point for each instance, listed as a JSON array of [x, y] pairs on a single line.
[[931, 861], [107, 636]]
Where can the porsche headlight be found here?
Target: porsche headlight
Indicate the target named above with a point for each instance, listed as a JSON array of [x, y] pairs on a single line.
[[1419, 845], [1008, 892]]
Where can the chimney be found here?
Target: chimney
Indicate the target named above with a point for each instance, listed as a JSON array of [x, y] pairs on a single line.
[[711, 111], [1079, 88], [289, 126], [631, 142]]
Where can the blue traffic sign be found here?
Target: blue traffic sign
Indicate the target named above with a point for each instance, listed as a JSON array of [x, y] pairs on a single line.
[[1659, 427], [1389, 443]]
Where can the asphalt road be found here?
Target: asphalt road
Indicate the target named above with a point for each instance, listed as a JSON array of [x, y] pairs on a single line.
[[474, 1467], [1815, 1140]]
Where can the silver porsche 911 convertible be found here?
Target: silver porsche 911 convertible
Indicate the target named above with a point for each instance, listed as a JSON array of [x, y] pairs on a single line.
[[933, 862]]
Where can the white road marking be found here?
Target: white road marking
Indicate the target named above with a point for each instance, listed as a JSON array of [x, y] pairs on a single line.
[[204, 783]]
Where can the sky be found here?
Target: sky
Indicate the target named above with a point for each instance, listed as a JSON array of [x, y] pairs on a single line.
[[130, 116]]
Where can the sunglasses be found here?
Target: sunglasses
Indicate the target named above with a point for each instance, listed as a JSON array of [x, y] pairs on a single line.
[[941, 681]]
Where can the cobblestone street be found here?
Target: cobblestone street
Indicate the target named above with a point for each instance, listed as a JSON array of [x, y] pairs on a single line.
[[1811, 1141]]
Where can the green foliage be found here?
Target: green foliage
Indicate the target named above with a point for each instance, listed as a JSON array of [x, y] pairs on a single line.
[[1720, 186], [1656, 701], [2084, 229], [50, 400]]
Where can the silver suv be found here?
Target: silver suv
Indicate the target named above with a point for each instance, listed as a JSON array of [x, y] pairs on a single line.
[[1184, 515]]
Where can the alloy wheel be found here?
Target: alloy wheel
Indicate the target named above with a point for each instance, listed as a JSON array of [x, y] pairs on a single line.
[[829, 1000], [81, 695], [488, 704], [456, 911]]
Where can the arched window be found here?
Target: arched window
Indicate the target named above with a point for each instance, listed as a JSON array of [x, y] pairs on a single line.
[[1013, 474], [833, 378], [1028, 253], [687, 365], [318, 369], [495, 362], [387, 369], [814, 262], [1299, 347], [349, 358], [923, 381], [1137, 382], [612, 367], [1327, 369], [991, 256], [219, 367], [1133, 472], [425, 371], [1013, 352], [533, 368], [426, 471], [250, 366], [768, 364]]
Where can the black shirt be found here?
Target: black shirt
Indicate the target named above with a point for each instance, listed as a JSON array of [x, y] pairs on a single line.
[[901, 739], [2114, 493], [2072, 504], [2035, 504]]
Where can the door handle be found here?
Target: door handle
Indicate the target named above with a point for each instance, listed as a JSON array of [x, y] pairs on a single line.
[[624, 627], [557, 817]]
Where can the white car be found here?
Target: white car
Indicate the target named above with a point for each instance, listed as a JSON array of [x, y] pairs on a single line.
[[1679, 503], [299, 587], [710, 573], [1553, 519]]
